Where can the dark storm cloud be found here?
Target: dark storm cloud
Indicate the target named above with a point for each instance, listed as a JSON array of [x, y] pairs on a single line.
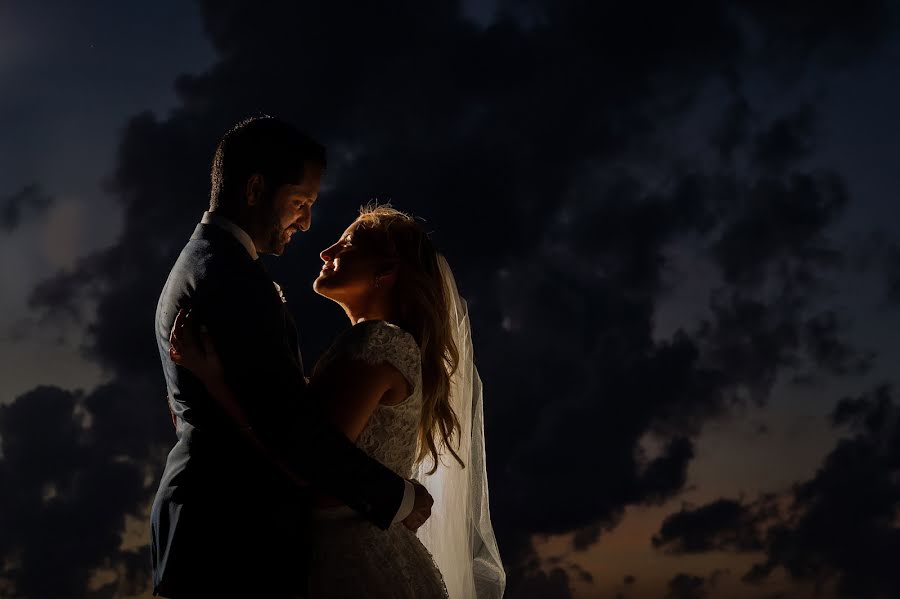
[[724, 524], [842, 523], [687, 586], [534, 579], [732, 129], [822, 335], [579, 572], [780, 223], [834, 33], [838, 527], [892, 272], [30, 202], [72, 467], [879, 253], [67, 293], [582, 574], [776, 251], [535, 153], [787, 140]]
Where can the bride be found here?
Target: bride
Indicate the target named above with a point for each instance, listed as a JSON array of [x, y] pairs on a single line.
[[401, 383]]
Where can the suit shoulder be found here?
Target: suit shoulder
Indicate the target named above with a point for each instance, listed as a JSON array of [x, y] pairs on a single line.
[[201, 270], [203, 263]]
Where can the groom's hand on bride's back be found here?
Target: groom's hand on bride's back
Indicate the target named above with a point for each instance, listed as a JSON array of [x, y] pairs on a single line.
[[421, 508]]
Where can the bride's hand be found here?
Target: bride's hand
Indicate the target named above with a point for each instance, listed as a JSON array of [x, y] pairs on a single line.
[[191, 347]]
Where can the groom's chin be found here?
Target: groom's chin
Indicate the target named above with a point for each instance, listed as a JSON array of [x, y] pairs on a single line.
[[277, 248]]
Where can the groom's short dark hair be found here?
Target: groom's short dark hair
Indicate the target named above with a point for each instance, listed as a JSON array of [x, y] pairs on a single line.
[[264, 145]]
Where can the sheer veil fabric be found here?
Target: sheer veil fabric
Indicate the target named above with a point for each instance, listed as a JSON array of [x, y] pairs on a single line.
[[459, 533]]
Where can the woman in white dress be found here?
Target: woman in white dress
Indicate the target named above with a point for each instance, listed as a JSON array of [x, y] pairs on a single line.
[[401, 384]]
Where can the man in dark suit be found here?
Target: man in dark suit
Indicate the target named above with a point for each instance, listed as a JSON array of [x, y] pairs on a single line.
[[226, 520]]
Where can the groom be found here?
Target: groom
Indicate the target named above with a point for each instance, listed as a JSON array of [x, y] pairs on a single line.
[[226, 521]]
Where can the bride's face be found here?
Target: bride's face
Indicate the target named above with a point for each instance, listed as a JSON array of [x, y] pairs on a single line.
[[349, 267]]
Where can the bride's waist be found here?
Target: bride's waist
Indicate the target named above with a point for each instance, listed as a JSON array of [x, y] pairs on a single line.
[[337, 512], [330, 520]]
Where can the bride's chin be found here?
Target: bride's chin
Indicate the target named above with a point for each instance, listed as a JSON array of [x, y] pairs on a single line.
[[321, 288]]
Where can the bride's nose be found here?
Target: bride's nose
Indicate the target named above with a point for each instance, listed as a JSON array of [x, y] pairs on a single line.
[[328, 253]]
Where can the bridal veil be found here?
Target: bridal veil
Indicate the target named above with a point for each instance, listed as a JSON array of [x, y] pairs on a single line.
[[459, 533]]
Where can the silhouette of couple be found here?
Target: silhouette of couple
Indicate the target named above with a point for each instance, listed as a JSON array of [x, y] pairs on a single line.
[[365, 480]]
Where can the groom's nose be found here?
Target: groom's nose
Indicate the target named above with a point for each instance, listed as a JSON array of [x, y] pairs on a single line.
[[305, 220]]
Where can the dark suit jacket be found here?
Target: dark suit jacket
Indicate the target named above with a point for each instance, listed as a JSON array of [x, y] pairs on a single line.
[[224, 518]]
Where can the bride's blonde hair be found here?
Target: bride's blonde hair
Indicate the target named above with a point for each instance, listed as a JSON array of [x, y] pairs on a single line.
[[422, 306]]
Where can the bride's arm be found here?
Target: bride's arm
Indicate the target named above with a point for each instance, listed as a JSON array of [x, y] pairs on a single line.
[[348, 392]]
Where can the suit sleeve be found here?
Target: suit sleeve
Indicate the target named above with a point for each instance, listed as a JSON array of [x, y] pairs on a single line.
[[249, 332]]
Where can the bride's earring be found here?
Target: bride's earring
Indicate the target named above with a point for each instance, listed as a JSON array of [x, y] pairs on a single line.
[[377, 283]]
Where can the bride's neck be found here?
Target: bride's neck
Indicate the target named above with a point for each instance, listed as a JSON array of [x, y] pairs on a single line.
[[378, 309]]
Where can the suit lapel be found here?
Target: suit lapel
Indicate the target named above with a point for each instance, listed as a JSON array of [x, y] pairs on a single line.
[[291, 336], [257, 270]]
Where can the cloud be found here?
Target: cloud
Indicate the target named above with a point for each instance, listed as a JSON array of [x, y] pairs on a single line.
[[784, 220], [687, 586], [838, 528], [842, 524], [729, 134], [836, 34], [28, 203], [788, 139], [544, 174], [72, 466], [531, 578], [892, 271], [823, 338], [880, 252], [724, 524]]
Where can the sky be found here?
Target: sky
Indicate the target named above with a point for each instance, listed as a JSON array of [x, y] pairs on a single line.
[[676, 226]]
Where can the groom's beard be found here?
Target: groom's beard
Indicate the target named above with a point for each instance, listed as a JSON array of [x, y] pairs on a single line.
[[275, 235]]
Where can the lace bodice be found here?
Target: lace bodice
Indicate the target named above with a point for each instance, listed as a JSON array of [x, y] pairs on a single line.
[[390, 436], [351, 557]]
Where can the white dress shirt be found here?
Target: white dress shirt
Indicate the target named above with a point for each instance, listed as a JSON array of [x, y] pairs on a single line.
[[211, 218]]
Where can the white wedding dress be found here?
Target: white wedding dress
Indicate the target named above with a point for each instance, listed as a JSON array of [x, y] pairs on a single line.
[[351, 556]]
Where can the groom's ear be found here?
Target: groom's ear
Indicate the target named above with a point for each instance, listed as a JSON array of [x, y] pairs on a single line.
[[256, 186]]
